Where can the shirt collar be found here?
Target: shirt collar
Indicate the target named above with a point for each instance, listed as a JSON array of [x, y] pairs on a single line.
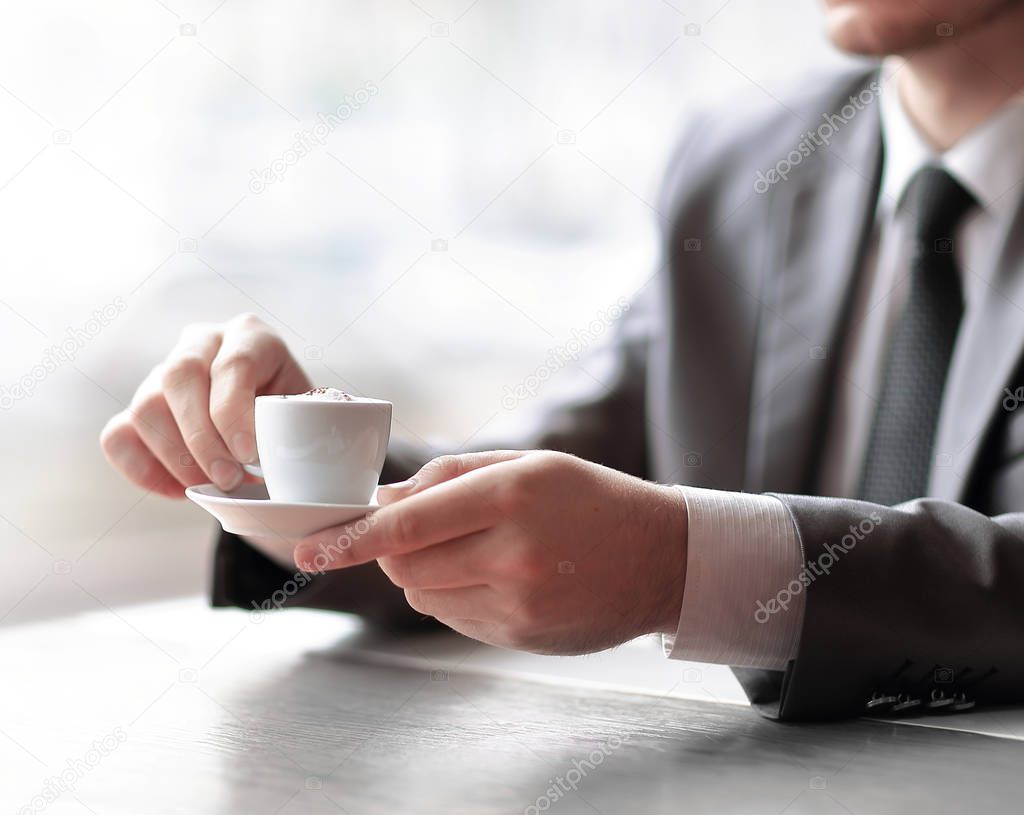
[[988, 161]]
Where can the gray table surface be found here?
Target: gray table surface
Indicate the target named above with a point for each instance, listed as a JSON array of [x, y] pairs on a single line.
[[175, 707]]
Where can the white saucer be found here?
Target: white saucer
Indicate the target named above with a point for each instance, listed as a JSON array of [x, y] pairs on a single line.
[[248, 510]]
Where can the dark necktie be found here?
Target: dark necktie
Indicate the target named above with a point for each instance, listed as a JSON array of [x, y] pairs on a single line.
[[900, 449]]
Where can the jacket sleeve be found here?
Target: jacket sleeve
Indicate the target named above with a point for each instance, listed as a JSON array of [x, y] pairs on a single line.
[[921, 601]]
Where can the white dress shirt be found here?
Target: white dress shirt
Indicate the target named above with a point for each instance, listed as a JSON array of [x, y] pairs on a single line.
[[743, 550]]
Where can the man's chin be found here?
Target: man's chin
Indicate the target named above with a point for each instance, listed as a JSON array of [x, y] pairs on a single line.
[[866, 30], [882, 27]]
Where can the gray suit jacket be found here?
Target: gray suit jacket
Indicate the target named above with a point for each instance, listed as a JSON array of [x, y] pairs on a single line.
[[721, 377]]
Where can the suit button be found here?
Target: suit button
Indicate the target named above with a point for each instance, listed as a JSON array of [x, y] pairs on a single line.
[[879, 702], [905, 702], [938, 700]]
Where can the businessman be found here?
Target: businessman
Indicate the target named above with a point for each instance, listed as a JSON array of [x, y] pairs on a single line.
[[804, 459]]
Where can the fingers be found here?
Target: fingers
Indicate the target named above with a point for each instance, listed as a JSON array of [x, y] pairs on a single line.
[[468, 561], [448, 511], [443, 469], [474, 629], [186, 388], [250, 356], [191, 420], [127, 453], [152, 420], [475, 603]]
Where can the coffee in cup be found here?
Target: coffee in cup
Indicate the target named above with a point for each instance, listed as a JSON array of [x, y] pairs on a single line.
[[323, 446]]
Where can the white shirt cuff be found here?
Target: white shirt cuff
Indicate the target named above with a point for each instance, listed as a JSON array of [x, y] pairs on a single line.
[[743, 602]]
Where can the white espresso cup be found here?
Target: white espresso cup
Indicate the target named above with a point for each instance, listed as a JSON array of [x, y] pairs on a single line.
[[321, 451]]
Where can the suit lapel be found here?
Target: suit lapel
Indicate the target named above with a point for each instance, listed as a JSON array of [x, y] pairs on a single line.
[[822, 222], [987, 353]]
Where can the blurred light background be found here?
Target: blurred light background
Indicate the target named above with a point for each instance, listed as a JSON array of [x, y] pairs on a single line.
[[489, 189]]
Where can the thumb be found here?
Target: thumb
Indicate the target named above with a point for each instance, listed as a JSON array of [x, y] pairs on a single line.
[[442, 469]]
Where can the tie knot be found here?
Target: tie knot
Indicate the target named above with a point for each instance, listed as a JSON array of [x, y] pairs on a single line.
[[935, 201]]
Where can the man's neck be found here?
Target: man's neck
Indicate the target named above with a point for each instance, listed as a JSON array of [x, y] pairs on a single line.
[[950, 88]]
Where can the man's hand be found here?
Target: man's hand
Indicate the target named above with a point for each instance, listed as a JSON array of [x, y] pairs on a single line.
[[537, 551], [191, 420]]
